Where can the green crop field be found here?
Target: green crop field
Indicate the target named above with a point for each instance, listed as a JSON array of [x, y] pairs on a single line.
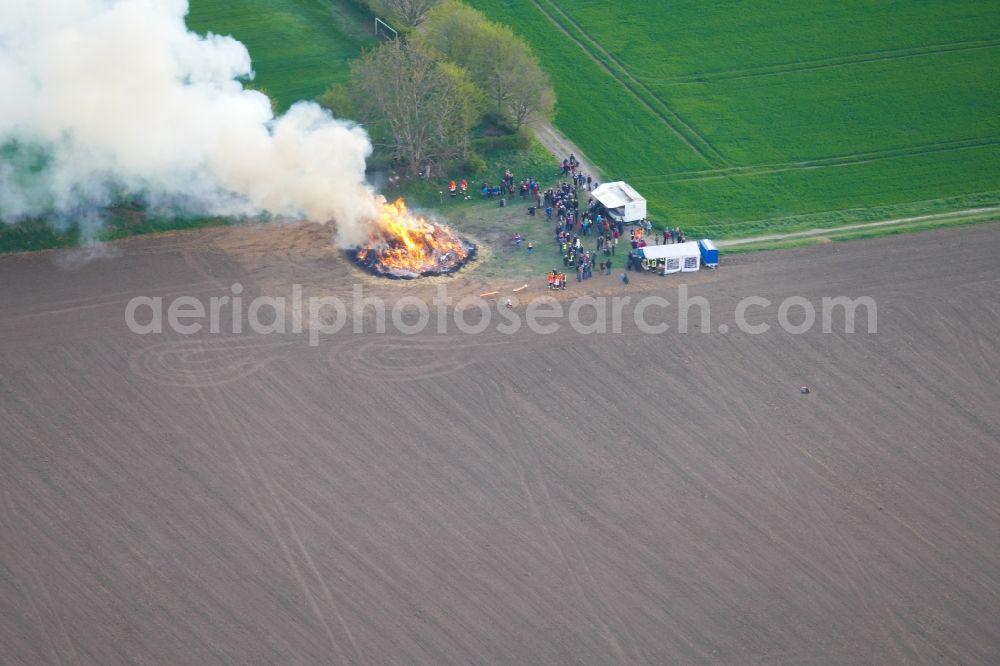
[[299, 47], [739, 117]]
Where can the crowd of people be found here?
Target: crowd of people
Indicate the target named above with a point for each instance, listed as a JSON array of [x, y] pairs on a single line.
[[508, 187], [557, 280], [573, 221]]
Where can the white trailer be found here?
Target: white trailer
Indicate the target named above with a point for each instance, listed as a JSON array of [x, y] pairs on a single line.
[[674, 257]]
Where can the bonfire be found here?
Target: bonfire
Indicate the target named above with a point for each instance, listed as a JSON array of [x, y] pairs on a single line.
[[404, 245]]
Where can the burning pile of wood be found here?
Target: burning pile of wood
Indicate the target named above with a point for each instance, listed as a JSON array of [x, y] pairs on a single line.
[[403, 245]]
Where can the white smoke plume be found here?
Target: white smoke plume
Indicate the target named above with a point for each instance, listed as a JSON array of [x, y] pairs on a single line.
[[118, 96]]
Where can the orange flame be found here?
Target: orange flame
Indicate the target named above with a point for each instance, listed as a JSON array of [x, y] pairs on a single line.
[[401, 243]]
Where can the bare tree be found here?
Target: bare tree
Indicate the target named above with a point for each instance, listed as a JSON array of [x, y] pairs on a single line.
[[414, 104], [408, 12]]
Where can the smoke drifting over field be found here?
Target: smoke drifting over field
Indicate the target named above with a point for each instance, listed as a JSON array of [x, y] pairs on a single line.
[[105, 97]]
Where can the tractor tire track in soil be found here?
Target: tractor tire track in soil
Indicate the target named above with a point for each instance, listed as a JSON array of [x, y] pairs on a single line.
[[850, 159], [831, 231], [700, 144], [532, 475], [491, 498], [675, 123], [826, 63], [700, 138], [244, 459]]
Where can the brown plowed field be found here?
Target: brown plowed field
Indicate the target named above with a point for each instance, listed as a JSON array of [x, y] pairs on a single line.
[[496, 498]]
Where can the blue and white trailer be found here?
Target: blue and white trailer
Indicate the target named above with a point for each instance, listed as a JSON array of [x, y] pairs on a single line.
[[672, 258], [709, 253]]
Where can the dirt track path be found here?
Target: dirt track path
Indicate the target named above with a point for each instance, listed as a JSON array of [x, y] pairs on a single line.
[[852, 227], [557, 144]]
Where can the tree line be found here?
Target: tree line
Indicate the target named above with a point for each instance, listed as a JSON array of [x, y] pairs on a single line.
[[450, 70]]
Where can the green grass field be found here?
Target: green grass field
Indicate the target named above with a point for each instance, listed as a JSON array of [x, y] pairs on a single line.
[[299, 47], [734, 118]]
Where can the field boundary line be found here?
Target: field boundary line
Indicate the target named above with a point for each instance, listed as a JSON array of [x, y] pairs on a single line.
[[644, 102], [825, 63], [818, 163], [627, 87], [855, 227], [718, 156]]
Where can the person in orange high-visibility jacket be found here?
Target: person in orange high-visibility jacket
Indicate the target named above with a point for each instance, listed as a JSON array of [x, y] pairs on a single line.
[[452, 187]]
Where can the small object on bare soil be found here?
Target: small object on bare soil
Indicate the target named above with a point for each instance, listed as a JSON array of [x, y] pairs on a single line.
[[520, 289], [804, 390], [489, 293]]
